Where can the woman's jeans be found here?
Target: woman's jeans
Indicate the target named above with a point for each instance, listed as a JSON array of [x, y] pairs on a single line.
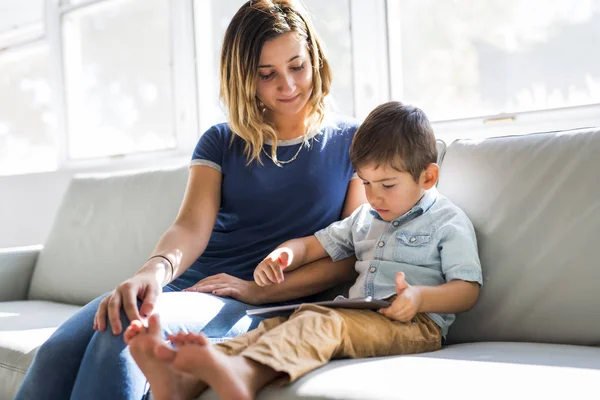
[[79, 363]]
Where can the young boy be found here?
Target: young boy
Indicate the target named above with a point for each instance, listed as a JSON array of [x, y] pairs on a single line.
[[413, 247]]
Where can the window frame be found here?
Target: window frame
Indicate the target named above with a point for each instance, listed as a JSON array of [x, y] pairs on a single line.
[[483, 126], [15, 40], [184, 94], [373, 39]]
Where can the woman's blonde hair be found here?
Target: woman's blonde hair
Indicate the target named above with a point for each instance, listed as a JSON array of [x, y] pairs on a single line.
[[255, 23]]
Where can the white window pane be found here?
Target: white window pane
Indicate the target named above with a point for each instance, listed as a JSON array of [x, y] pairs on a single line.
[[464, 58], [27, 121], [117, 60], [331, 19], [18, 13], [332, 22]]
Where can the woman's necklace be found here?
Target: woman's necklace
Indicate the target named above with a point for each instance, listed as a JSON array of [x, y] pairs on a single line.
[[284, 162]]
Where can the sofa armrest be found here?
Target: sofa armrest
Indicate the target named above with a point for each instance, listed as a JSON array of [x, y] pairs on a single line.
[[16, 268]]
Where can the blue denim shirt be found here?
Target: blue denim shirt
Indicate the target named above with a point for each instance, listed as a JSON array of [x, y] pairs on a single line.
[[433, 243]]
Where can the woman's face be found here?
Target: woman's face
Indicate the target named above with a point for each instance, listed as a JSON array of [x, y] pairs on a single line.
[[285, 74]]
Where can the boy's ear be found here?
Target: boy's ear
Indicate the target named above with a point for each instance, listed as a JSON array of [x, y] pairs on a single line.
[[430, 176]]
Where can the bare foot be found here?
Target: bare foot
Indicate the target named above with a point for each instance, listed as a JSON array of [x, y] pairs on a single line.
[[165, 381], [233, 378]]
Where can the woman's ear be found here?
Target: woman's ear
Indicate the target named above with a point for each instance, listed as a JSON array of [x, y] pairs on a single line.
[[430, 176]]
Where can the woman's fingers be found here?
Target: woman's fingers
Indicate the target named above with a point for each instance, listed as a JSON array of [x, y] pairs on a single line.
[[100, 319], [130, 305], [207, 288], [150, 297], [114, 313]]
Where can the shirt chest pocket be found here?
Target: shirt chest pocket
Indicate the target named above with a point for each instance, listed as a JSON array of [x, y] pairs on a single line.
[[411, 247]]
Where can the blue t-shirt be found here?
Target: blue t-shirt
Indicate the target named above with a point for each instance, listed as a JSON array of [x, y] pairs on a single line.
[[264, 205]]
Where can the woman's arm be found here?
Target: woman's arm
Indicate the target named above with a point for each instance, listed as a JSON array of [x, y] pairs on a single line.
[[181, 244], [187, 237]]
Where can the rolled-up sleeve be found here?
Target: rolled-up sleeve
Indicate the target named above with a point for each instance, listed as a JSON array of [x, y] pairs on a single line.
[[337, 237], [459, 253]]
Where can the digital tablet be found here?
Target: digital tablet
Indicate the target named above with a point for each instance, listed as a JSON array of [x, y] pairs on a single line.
[[368, 303]]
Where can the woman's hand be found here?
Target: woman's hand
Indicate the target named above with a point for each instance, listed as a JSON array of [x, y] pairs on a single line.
[[225, 285], [144, 286]]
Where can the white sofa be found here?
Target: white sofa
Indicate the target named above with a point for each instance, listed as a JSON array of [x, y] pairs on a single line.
[[534, 201]]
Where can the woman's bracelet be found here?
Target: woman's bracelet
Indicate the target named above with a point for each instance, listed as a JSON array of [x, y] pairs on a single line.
[[170, 265]]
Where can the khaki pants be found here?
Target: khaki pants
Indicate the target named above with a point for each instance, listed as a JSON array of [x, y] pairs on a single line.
[[313, 335]]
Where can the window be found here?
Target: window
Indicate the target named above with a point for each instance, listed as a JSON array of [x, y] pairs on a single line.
[[27, 118], [465, 59], [118, 78], [15, 15], [332, 22]]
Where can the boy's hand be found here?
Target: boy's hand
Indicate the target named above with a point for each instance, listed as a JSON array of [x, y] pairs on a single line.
[[270, 270], [407, 302]]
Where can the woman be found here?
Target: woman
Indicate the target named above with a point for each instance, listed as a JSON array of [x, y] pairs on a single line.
[[279, 169]]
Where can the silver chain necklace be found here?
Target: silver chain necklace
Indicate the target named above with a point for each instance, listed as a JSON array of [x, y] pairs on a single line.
[[284, 162]]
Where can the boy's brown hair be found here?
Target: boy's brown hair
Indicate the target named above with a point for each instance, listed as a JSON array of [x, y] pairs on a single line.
[[397, 135]]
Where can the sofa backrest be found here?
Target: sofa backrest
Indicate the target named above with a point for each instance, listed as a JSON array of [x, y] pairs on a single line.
[[535, 203], [106, 227]]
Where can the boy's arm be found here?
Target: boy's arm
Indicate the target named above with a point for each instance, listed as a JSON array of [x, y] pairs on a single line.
[[335, 241], [288, 256], [449, 298], [302, 251]]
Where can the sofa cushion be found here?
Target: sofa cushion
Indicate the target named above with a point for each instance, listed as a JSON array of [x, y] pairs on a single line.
[[105, 229], [24, 326], [458, 372], [535, 203], [441, 150]]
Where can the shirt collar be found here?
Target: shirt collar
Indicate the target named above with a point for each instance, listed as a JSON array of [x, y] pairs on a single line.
[[422, 206]]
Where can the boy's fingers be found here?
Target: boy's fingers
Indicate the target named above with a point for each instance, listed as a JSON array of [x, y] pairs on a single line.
[[401, 283], [256, 277], [278, 272], [283, 259], [263, 278], [270, 274]]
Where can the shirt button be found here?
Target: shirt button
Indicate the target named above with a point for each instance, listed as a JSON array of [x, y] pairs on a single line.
[[395, 223], [373, 269], [381, 244], [412, 239]]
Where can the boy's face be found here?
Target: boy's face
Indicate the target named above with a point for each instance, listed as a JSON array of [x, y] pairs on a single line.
[[392, 193]]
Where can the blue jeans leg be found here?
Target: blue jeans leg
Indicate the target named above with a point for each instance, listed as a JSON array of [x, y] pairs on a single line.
[[55, 365], [79, 363]]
